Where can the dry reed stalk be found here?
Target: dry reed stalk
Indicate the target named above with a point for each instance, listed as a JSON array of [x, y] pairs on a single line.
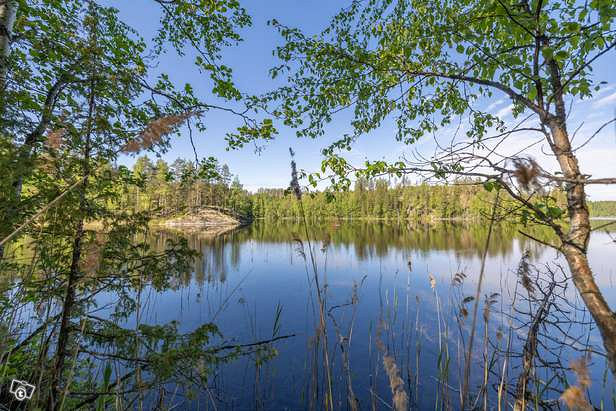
[[469, 353], [373, 370], [417, 350], [443, 349], [407, 327], [501, 386], [313, 383], [294, 184], [345, 343], [487, 309], [461, 314]]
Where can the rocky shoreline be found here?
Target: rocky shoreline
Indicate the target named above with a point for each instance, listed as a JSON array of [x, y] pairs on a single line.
[[206, 221], [203, 219]]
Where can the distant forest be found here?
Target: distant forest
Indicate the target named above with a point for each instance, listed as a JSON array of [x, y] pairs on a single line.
[[181, 187], [602, 208]]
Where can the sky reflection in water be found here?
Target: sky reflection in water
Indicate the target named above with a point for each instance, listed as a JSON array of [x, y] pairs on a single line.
[[242, 276]]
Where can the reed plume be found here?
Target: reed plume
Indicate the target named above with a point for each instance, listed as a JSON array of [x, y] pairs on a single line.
[[400, 398], [458, 279], [432, 281], [490, 301], [580, 368], [523, 273], [54, 138], [155, 131], [526, 173], [299, 247], [574, 397]]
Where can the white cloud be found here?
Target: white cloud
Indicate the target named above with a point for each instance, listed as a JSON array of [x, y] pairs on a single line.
[[494, 105], [605, 101], [504, 112], [607, 88]]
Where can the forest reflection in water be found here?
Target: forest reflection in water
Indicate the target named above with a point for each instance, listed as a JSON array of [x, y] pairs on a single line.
[[393, 288], [221, 253]]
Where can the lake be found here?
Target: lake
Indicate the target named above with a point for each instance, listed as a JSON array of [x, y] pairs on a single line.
[[391, 294]]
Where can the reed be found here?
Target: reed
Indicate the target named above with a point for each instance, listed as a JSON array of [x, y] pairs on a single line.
[[322, 329], [469, 353]]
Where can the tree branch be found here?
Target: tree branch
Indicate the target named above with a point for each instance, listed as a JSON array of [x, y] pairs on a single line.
[[490, 83]]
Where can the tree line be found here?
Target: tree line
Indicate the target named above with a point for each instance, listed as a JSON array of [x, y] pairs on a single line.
[[379, 199], [180, 187], [602, 208]]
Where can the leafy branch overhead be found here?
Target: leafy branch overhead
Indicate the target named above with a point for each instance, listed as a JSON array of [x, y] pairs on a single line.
[[426, 63], [52, 61]]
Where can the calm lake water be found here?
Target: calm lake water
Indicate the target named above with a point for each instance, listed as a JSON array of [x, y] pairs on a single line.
[[255, 284]]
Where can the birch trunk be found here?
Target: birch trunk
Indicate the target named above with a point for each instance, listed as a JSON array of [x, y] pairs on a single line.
[[575, 242], [8, 13]]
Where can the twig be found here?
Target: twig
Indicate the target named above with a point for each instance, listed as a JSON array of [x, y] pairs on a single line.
[[42, 211]]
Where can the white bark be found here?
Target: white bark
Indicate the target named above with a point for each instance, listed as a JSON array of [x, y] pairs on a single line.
[[8, 13]]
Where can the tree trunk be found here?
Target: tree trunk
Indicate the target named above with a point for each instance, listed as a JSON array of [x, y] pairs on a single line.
[[596, 304], [8, 13], [575, 242], [74, 274], [67, 310]]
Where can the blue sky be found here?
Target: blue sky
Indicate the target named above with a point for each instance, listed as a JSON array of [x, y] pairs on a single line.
[[252, 59]]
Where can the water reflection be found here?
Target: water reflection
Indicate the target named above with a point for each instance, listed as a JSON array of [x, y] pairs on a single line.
[[222, 254], [243, 276]]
